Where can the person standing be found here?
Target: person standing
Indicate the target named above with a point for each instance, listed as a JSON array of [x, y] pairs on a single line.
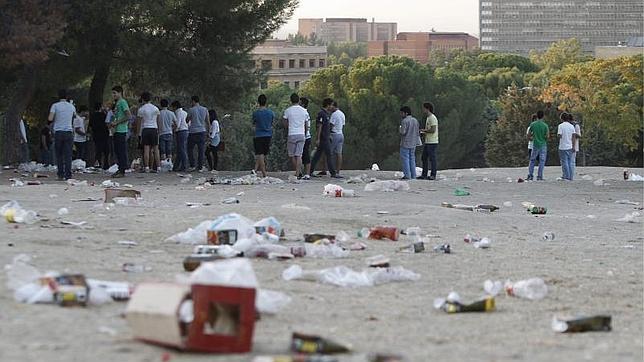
[[150, 117], [337, 122], [263, 120], [409, 139], [62, 114], [24, 142], [295, 118], [182, 130], [430, 144], [539, 136], [566, 134], [198, 123], [100, 135], [80, 133], [45, 146], [527, 134], [120, 124], [167, 123], [576, 145], [323, 138], [306, 152], [214, 139]]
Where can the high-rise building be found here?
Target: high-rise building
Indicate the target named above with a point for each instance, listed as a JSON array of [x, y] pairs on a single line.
[[518, 26], [288, 64], [419, 45], [340, 30]]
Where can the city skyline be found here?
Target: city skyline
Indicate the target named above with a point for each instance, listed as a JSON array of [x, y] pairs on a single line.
[[411, 15]]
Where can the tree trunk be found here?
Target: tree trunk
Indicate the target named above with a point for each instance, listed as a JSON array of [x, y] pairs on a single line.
[[99, 80], [25, 90]]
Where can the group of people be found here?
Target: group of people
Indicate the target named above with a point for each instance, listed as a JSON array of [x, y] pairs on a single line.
[[329, 137], [568, 133], [159, 131], [412, 136]]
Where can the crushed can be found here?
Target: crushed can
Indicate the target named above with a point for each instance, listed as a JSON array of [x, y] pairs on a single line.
[[484, 305], [312, 238], [309, 344], [384, 232], [222, 237], [599, 323]]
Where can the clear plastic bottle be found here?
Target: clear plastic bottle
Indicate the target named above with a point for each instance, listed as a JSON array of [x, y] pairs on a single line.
[[533, 289]]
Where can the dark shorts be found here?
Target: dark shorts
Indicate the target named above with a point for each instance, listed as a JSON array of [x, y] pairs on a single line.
[[262, 145], [150, 137], [306, 154]]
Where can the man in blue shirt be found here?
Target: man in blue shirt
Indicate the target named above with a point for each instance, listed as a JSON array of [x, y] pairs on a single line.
[[263, 121], [198, 120], [62, 115]]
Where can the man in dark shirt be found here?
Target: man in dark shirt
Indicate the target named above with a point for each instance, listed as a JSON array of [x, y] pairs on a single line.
[[100, 135], [323, 135], [45, 146]]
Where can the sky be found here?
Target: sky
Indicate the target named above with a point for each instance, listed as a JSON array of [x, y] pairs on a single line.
[[411, 15]]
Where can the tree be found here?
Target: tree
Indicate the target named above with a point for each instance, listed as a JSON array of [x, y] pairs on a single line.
[[28, 31], [555, 58]]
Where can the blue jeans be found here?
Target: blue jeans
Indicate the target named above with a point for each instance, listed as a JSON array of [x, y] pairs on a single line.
[[573, 163], [566, 163], [165, 145], [408, 159], [429, 156], [181, 164], [541, 153], [197, 139], [64, 142], [324, 148], [120, 150]]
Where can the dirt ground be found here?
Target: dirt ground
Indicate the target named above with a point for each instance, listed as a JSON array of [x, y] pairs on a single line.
[[594, 266]]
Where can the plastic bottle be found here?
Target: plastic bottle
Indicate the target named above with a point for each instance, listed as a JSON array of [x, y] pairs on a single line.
[[230, 200], [549, 236], [533, 289], [347, 193], [135, 268]]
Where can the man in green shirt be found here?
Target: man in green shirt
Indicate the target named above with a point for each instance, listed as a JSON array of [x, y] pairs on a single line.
[[538, 134], [120, 124], [430, 143]]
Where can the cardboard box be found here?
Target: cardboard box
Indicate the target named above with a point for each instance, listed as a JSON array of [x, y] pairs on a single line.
[[110, 194], [224, 317]]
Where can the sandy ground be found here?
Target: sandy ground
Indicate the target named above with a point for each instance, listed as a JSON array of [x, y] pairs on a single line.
[[594, 266]]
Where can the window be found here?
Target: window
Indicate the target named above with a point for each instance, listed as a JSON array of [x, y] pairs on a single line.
[[291, 63], [311, 63], [267, 64], [296, 85], [302, 63], [321, 63], [282, 64]]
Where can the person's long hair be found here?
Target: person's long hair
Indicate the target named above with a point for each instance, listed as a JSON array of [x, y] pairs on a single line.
[[213, 115]]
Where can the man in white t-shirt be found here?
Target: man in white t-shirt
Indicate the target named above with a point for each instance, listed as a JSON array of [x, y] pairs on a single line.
[[575, 149], [150, 118], [295, 118], [181, 130], [337, 121], [80, 133], [566, 133]]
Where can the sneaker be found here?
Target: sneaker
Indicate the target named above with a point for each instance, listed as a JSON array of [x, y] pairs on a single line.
[[336, 176], [316, 176], [421, 178], [253, 172], [432, 178], [306, 177], [539, 178], [529, 178], [322, 173]]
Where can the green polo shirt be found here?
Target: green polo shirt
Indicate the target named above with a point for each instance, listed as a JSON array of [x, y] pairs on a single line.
[[539, 130]]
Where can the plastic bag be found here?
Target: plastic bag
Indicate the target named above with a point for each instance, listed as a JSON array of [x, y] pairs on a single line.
[[113, 169], [332, 190], [14, 213], [375, 167], [271, 301], [269, 225], [198, 235], [166, 166], [345, 277], [327, 251], [78, 165], [387, 186], [242, 225]]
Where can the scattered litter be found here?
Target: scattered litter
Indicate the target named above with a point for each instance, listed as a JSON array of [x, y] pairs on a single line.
[[78, 165], [599, 323], [634, 177], [382, 212], [398, 174], [461, 192], [15, 182], [475, 208], [313, 238], [111, 194], [309, 344], [166, 166], [533, 289], [14, 213], [537, 210], [135, 268], [548, 236], [194, 205], [599, 182], [384, 232], [417, 247], [587, 177], [325, 251], [206, 253], [378, 261], [269, 225], [74, 182], [443, 248], [230, 200], [357, 246], [87, 199], [332, 190], [492, 288], [627, 202], [375, 167], [32, 167], [245, 180], [479, 243], [79, 224], [240, 193], [630, 218], [452, 304], [362, 179], [345, 277], [387, 186], [127, 243], [62, 211], [296, 207]]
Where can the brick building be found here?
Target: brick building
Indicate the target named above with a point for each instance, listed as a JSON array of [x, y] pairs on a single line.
[[419, 45], [288, 64]]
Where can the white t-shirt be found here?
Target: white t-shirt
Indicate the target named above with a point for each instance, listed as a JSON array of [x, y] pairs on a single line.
[[148, 113], [297, 117], [530, 144], [23, 131], [578, 132], [566, 130], [214, 128], [182, 125], [338, 119], [79, 122]]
